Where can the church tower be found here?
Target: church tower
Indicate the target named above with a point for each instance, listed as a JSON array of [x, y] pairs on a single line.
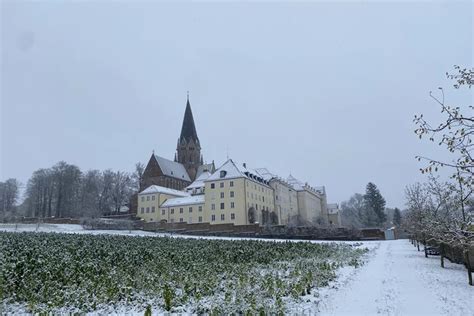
[[188, 151]]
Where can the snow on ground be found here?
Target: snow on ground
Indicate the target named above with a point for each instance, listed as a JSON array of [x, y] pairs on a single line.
[[396, 280], [399, 280]]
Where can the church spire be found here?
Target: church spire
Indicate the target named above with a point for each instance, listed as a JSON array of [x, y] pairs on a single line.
[[188, 130]]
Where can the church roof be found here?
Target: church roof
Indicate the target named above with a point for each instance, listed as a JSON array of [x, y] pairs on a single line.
[[188, 130], [172, 169]]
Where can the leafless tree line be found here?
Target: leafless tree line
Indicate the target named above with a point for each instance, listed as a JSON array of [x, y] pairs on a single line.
[[65, 191]]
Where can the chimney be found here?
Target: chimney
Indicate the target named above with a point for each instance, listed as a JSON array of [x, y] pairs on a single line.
[[245, 165]]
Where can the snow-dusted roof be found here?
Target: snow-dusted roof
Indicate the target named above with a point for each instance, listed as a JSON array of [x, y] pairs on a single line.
[[233, 170], [297, 184], [157, 189], [300, 186], [172, 168], [267, 175], [189, 200], [205, 168], [199, 182]]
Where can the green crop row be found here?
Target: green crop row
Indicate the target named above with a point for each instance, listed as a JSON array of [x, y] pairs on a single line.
[[48, 272]]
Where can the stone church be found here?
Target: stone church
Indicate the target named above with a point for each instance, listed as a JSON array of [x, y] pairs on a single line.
[[188, 161]]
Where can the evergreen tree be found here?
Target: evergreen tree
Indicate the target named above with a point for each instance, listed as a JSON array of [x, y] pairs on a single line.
[[374, 203], [397, 217]]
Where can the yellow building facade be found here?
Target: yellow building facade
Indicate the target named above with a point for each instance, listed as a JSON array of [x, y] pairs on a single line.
[[236, 195], [150, 200]]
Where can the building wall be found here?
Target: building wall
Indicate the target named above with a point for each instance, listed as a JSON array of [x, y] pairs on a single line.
[[222, 207], [309, 206], [334, 219], [190, 213], [149, 205], [260, 197], [286, 201]]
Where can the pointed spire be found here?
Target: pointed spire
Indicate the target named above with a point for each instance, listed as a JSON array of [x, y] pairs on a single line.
[[188, 130], [175, 158]]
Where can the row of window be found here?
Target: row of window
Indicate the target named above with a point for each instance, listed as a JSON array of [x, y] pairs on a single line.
[[213, 206], [213, 218], [257, 197], [148, 198], [148, 209], [221, 184], [181, 210]]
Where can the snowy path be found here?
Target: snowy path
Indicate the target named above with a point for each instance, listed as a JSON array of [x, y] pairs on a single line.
[[399, 280]]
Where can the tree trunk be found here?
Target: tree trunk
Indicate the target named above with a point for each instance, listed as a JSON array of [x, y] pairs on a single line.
[[441, 254], [468, 265], [424, 249], [418, 245]]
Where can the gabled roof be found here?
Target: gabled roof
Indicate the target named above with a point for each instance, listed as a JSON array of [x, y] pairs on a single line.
[[188, 130], [158, 189], [189, 200], [231, 170], [172, 168]]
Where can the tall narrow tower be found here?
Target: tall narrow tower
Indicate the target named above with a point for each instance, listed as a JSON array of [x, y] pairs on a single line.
[[189, 149]]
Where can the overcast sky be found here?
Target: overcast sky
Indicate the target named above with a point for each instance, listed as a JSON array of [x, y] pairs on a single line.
[[326, 91]]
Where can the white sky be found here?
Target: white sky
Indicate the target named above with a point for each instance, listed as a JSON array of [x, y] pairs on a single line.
[[326, 91]]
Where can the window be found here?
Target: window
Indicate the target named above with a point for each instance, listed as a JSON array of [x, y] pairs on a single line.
[[181, 220], [213, 207], [232, 205], [200, 219], [213, 185], [190, 221], [163, 212], [172, 211], [222, 195], [231, 193], [223, 173], [231, 183], [251, 195], [263, 199], [148, 210], [153, 209], [152, 197], [232, 216], [172, 220], [222, 217], [180, 210], [143, 210], [222, 206], [190, 209], [148, 198], [143, 199], [200, 208], [221, 184], [213, 218]]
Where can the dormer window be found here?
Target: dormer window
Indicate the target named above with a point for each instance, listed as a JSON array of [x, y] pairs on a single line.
[[223, 173]]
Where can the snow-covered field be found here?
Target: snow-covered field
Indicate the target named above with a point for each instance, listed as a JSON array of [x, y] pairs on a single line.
[[396, 280]]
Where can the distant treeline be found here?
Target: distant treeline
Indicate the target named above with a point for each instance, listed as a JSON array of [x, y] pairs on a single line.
[[65, 191]]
